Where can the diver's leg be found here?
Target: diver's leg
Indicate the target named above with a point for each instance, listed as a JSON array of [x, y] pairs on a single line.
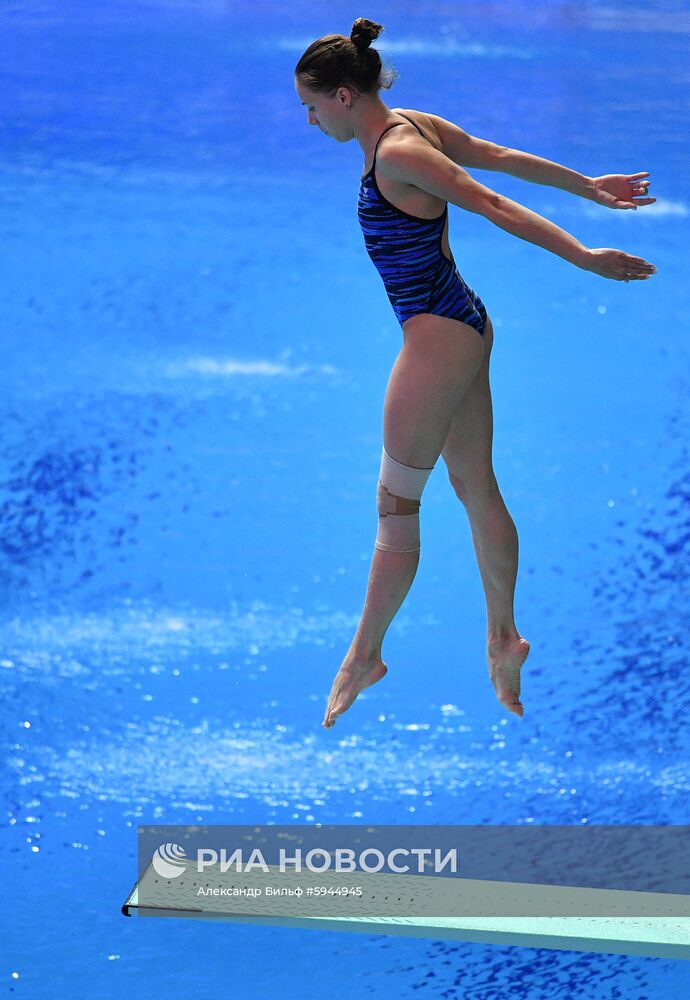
[[467, 454], [434, 369]]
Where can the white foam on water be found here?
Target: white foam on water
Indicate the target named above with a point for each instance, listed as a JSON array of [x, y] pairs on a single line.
[[107, 643], [228, 367], [419, 46], [165, 763], [639, 19], [662, 208]]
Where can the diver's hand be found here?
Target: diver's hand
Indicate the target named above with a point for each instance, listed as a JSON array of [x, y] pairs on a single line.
[[617, 265], [621, 190]]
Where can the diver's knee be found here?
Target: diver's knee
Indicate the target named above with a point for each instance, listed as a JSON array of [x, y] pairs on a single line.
[[399, 494], [477, 487]]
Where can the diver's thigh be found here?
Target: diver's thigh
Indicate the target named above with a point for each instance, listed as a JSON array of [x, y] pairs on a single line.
[[467, 450], [436, 366]]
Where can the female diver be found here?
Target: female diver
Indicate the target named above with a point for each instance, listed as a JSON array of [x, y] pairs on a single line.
[[438, 400]]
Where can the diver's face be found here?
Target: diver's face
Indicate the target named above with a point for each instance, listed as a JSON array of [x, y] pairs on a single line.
[[326, 112]]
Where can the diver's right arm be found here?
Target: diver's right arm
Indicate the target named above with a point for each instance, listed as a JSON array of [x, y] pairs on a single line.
[[468, 151], [627, 191], [415, 162]]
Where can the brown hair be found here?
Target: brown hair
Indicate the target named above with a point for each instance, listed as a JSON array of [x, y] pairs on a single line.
[[337, 61]]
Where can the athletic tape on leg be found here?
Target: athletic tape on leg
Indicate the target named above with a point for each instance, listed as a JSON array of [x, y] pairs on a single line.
[[400, 490]]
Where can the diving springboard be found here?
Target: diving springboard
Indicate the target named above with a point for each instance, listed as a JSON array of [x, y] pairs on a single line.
[[657, 937]]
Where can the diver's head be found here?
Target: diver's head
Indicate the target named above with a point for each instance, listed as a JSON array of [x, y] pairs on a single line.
[[337, 75]]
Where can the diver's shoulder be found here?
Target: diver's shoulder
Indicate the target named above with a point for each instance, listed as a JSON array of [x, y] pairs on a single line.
[[431, 126]]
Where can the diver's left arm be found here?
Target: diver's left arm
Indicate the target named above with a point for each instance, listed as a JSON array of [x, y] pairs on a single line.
[[432, 171]]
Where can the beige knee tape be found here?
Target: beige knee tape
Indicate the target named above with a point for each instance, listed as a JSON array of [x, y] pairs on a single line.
[[399, 493]]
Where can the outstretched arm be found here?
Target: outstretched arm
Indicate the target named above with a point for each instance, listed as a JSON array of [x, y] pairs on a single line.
[[430, 170], [612, 190]]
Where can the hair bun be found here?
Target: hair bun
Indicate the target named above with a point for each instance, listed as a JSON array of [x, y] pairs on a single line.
[[361, 40], [364, 32]]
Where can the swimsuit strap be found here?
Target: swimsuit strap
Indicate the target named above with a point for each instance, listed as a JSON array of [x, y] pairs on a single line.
[[409, 122], [373, 163], [412, 123]]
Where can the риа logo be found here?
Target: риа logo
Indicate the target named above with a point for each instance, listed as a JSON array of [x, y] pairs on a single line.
[[169, 860]]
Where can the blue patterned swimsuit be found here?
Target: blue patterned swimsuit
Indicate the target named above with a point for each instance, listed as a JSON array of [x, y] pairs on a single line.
[[406, 251]]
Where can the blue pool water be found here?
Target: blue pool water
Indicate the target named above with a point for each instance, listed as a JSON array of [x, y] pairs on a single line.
[[195, 349]]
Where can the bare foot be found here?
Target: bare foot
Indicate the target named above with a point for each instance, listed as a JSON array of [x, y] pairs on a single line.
[[506, 657], [353, 676]]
